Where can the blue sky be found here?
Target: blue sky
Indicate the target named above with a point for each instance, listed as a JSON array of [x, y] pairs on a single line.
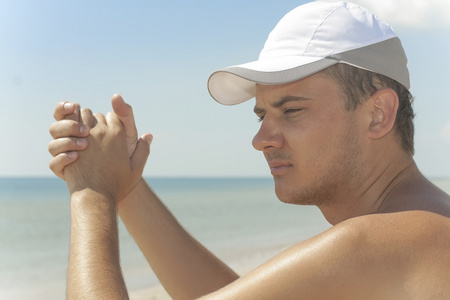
[[159, 54]]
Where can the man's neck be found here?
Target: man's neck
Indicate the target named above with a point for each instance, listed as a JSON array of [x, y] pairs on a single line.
[[372, 191]]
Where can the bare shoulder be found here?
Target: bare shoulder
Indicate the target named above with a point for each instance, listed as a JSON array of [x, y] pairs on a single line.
[[411, 248], [387, 256], [405, 226]]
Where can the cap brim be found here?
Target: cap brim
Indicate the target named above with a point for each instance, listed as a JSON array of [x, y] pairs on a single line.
[[236, 84]]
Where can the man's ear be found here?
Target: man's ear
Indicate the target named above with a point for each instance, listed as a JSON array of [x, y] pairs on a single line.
[[384, 104]]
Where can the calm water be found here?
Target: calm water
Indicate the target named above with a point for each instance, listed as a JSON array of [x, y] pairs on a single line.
[[239, 219]]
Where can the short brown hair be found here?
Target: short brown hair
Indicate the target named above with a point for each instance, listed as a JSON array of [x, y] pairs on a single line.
[[358, 85]]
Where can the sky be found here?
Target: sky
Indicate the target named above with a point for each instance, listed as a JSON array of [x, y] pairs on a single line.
[[158, 55]]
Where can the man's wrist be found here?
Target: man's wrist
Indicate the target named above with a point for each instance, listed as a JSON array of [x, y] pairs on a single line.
[[89, 198]]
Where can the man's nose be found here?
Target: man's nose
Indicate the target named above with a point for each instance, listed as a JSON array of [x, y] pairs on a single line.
[[267, 137]]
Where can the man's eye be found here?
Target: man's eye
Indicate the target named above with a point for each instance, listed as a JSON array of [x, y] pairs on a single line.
[[292, 110], [260, 119]]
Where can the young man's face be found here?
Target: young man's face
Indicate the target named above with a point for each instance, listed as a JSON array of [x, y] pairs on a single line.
[[312, 144]]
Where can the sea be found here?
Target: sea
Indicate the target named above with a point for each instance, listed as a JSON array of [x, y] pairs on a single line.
[[239, 219]]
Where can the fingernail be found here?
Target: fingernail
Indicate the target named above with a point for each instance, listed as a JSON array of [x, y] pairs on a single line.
[[81, 142], [68, 105], [71, 155], [149, 139], [84, 129]]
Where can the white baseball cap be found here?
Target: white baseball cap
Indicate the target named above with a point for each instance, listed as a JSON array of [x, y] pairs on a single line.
[[310, 38]]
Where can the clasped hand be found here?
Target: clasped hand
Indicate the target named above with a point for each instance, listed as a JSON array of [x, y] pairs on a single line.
[[97, 152]]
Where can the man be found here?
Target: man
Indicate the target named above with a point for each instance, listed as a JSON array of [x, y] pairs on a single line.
[[331, 89]]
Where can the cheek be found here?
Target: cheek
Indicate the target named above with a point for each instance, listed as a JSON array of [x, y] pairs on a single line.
[[317, 146], [307, 149], [311, 134], [329, 128]]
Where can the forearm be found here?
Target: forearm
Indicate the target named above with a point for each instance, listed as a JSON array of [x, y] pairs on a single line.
[[94, 265], [185, 268]]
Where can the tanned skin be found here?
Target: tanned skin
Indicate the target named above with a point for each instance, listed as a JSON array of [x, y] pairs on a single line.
[[391, 233]]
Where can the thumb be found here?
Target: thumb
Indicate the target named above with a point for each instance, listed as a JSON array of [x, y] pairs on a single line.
[[140, 155], [124, 112]]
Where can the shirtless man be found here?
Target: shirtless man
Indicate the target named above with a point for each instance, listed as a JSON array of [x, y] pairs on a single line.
[[331, 89]]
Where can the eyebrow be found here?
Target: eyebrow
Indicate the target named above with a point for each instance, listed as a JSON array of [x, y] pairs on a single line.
[[281, 102]]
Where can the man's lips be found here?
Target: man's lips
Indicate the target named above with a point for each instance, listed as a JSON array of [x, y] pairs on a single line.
[[279, 167]]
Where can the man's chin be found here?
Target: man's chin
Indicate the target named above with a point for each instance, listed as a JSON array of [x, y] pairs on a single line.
[[284, 192], [294, 194]]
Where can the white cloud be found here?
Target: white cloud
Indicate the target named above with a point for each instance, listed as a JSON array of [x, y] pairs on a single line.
[[445, 133], [411, 13]]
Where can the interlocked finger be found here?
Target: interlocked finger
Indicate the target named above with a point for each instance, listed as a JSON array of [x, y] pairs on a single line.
[[65, 128], [59, 162], [87, 117], [66, 144], [64, 109], [99, 118], [75, 116]]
